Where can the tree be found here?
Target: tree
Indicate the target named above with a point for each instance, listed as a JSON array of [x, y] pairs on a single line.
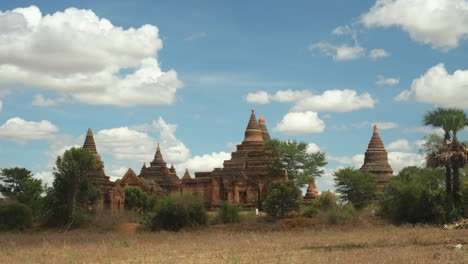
[[450, 120], [302, 167], [416, 195], [355, 186], [283, 196], [19, 184], [71, 184], [453, 155], [135, 198]]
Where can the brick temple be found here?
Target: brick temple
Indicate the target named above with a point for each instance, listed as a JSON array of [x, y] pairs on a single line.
[[376, 159], [242, 180]]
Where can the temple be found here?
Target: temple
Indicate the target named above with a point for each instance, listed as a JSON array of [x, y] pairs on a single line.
[[242, 180], [113, 197], [376, 159]]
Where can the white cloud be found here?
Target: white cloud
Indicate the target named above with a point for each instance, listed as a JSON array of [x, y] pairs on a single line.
[[77, 53], [440, 23], [378, 54], [343, 30], [39, 100], [338, 52], [46, 177], [424, 129], [380, 125], [439, 87], [400, 160], [399, 145], [387, 81], [312, 148], [335, 101], [355, 161], [1, 105], [296, 123], [126, 144], [205, 162], [260, 97], [282, 96], [21, 131]]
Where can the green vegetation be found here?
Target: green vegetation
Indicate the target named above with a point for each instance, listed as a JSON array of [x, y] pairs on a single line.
[[176, 212], [72, 188], [18, 184], [292, 156], [228, 213], [15, 216], [416, 195], [283, 196], [135, 198], [355, 186]]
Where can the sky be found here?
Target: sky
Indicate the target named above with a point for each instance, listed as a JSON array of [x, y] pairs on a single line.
[[187, 74]]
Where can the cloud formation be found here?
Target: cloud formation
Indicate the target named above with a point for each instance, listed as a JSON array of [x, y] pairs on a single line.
[[297, 123], [338, 52], [21, 131], [387, 81], [440, 23], [335, 101], [378, 54], [439, 87], [77, 53]]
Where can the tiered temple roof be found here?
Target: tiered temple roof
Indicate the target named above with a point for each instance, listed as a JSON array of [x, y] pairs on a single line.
[[158, 172], [312, 192], [263, 127], [376, 159]]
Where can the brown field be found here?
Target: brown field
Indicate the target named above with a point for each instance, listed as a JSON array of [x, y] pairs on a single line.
[[258, 243]]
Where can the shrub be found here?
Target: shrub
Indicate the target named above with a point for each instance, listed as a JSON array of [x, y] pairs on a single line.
[[355, 186], [228, 213], [326, 200], [135, 198], [309, 210], [15, 216], [339, 214], [175, 212], [81, 219], [284, 196], [417, 195]]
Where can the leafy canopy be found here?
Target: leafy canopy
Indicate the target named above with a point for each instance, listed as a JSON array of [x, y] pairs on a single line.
[[355, 186], [302, 167], [283, 196], [18, 183]]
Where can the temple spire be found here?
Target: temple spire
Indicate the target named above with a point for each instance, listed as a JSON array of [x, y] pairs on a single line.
[[186, 175], [158, 158], [253, 131], [263, 127], [89, 143], [376, 159]]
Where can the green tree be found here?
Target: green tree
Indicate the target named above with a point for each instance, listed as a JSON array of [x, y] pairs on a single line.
[[283, 196], [135, 198], [19, 184], [72, 185], [302, 167], [416, 195], [451, 120], [355, 186]]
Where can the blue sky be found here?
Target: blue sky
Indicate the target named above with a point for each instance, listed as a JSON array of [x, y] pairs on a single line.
[[187, 73]]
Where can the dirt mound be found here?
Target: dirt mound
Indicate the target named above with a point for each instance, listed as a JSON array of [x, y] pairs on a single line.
[[128, 228]]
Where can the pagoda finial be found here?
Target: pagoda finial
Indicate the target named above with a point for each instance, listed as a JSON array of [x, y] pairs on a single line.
[[186, 175], [158, 158], [376, 129], [253, 131], [89, 143]]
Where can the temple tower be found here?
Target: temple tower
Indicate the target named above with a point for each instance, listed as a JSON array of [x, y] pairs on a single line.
[[263, 127], [312, 192], [376, 159]]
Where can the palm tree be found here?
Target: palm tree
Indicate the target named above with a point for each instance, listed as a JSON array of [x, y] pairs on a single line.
[[452, 154]]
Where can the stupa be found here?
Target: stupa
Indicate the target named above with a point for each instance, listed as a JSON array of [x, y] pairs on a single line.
[[376, 159]]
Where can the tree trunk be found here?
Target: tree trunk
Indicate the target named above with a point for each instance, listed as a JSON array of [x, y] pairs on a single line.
[[456, 188], [448, 180]]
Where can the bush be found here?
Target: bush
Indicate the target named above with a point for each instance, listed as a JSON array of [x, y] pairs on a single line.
[[309, 210], [283, 196], [355, 186], [339, 214], [175, 212], [326, 200], [135, 198], [228, 213], [417, 195], [15, 216], [81, 219]]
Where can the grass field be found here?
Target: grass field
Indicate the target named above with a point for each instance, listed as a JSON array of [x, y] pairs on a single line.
[[240, 244]]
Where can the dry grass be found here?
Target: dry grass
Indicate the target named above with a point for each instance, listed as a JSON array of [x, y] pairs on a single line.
[[233, 244]]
